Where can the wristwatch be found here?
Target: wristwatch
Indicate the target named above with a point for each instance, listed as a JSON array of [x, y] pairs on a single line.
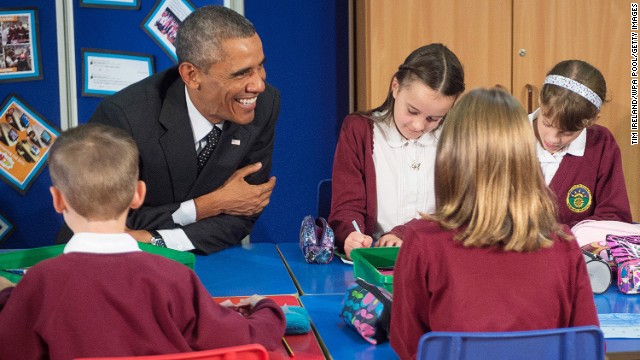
[[156, 239]]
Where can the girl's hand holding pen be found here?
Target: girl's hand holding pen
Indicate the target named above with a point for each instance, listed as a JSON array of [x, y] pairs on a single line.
[[355, 240]]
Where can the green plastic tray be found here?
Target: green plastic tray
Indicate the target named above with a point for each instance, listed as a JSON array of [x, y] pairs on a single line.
[[29, 257], [366, 262]]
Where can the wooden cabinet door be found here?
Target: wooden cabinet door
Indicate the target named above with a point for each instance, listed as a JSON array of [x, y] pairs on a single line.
[[478, 32], [488, 37], [596, 31]]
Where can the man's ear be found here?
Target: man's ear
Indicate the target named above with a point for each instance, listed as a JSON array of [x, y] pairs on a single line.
[[190, 75], [59, 202], [138, 196]]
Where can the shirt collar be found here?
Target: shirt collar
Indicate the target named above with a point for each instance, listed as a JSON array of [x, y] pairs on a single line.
[[396, 140], [102, 243], [575, 148], [200, 125]]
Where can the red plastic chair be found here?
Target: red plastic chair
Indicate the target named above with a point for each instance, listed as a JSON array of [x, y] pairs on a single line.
[[243, 352]]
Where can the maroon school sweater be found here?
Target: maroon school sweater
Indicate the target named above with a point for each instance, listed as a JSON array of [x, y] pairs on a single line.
[[353, 186], [97, 305], [592, 186], [439, 285]]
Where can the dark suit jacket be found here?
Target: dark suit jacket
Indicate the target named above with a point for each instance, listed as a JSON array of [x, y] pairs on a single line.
[[154, 112]]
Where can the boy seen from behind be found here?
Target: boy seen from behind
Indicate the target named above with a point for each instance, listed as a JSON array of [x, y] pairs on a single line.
[[104, 296]]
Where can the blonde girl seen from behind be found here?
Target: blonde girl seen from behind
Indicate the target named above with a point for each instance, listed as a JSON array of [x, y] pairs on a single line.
[[493, 254]]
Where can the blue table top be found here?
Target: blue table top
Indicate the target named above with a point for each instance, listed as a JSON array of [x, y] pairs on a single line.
[[332, 278], [244, 271], [613, 301], [341, 341]]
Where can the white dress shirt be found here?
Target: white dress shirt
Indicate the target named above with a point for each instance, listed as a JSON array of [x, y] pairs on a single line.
[[404, 175]]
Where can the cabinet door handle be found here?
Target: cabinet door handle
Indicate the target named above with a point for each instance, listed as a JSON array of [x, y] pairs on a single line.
[[529, 88]]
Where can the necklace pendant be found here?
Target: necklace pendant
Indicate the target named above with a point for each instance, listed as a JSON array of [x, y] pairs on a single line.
[[415, 165]]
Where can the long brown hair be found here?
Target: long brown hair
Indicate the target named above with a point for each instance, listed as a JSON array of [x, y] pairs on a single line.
[[488, 180], [435, 66]]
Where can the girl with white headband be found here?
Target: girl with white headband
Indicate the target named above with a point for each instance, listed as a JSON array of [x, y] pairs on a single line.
[[580, 160]]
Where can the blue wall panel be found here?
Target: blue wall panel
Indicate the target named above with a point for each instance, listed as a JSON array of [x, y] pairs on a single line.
[[35, 221], [306, 47]]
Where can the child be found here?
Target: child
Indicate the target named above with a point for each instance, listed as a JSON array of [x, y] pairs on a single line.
[[580, 160], [104, 297], [492, 257], [383, 165]]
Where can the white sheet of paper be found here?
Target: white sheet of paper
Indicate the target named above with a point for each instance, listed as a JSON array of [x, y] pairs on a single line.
[[346, 261], [113, 74]]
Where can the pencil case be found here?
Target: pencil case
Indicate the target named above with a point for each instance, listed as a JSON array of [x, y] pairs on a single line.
[[316, 240], [625, 251], [367, 309], [629, 277]]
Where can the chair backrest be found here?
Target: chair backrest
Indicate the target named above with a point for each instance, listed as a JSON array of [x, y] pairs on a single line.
[[583, 343], [324, 198], [242, 352]]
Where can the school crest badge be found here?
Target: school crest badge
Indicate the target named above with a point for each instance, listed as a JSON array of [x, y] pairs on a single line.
[[579, 198]]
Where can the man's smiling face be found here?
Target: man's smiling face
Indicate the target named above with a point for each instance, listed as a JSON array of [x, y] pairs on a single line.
[[229, 89]]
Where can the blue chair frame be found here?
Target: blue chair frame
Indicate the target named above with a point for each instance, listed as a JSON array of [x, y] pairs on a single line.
[[324, 198], [579, 343]]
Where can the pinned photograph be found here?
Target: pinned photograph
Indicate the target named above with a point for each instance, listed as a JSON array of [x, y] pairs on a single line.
[[163, 22], [19, 46], [25, 139]]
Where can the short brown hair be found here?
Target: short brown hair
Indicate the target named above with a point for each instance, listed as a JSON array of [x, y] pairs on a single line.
[[95, 167], [488, 180], [568, 110]]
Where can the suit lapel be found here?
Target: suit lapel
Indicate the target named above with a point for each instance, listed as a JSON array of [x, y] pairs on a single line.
[[177, 142], [225, 158]]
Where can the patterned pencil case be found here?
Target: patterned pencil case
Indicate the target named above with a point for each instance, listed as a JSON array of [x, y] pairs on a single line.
[[625, 251], [316, 240], [367, 309], [629, 277]]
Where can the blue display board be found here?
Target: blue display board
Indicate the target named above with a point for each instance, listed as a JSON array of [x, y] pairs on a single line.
[[306, 46], [118, 30], [34, 221]]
